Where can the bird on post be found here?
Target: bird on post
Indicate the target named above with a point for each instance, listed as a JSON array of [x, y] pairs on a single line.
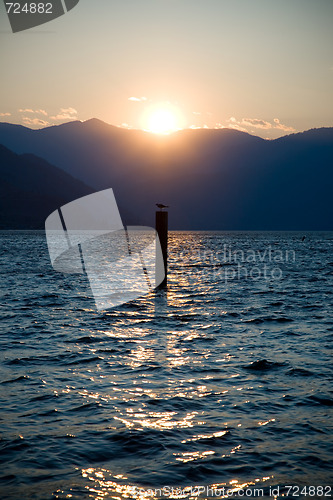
[[161, 206]]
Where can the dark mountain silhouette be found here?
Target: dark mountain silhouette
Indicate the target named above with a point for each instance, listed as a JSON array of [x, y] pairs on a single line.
[[31, 188], [212, 179]]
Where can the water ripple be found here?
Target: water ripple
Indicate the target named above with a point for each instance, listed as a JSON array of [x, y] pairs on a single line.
[[215, 383]]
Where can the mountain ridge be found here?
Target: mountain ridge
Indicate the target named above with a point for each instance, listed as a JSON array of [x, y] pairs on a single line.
[[31, 189], [213, 179]]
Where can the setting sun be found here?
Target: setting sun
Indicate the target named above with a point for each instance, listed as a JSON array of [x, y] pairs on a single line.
[[163, 119]]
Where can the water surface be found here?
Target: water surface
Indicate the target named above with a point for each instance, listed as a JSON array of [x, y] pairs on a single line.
[[223, 379]]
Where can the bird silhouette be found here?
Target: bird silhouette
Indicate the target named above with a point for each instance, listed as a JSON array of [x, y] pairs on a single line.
[[161, 206]]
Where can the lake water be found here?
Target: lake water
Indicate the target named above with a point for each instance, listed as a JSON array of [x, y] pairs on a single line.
[[223, 380]]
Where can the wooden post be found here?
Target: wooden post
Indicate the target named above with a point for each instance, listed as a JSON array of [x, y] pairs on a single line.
[[161, 224]]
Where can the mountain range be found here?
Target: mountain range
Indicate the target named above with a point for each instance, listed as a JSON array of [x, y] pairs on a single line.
[[31, 188], [212, 179]]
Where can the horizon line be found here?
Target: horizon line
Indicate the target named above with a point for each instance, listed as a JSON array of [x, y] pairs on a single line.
[[164, 134]]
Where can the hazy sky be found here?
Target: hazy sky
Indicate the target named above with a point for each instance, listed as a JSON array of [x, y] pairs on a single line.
[[265, 66]]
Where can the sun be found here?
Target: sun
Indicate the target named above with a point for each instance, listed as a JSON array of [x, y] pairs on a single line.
[[163, 119]]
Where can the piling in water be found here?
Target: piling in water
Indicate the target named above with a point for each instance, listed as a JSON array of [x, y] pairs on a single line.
[[161, 224]]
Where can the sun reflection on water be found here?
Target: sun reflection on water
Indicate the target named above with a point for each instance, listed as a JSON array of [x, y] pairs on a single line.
[[157, 420], [107, 485]]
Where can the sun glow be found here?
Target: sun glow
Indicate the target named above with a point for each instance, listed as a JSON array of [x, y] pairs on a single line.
[[163, 119]]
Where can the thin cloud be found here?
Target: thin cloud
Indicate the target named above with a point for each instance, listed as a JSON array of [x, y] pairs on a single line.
[[62, 116], [5, 114], [255, 123], [235, 126], [219, 126], [196, 127], [34, 111], [34, 121], [137, 99], [125, 125], [65, 114], [69, 111], [280, 126]]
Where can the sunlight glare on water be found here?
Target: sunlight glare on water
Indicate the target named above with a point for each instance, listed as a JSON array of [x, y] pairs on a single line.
[[223, 380]]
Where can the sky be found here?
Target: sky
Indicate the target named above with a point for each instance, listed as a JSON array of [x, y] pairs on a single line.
[[262, 66]]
